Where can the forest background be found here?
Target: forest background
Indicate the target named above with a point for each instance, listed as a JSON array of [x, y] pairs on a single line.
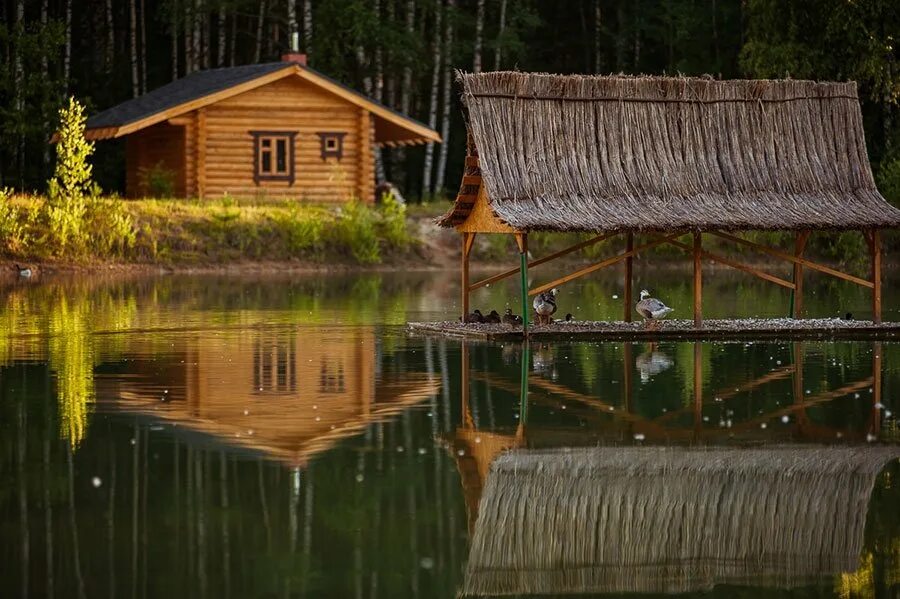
[[403, 53]]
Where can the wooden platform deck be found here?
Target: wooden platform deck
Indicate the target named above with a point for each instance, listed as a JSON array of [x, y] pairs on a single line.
[[742, 328]]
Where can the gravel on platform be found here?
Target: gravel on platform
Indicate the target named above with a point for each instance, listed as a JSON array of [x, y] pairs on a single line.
[[824, 326]]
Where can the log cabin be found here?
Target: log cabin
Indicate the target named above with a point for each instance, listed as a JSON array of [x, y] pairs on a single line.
[[276, 130]]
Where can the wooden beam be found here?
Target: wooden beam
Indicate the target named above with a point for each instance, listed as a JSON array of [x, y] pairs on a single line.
[[500, 276], [736, 265], [602, 264], [467, 240], [790, 258], [875, 245], [799, 248], [629, 246], [698, 280]]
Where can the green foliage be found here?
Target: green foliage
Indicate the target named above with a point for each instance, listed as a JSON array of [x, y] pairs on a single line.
[[71, 188], [158, 180], [15, 224], [303, 227], [393, 221], [110, 227], [355, 229], [888, 179]]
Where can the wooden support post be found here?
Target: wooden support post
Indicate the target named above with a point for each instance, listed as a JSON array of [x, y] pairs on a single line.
[[468, 421], [698, 388], [523, 384], [797, 295], [698, 281], [876, 388], [522, 242], [627, 365], [467, 240], [875, 245], [629, 246]]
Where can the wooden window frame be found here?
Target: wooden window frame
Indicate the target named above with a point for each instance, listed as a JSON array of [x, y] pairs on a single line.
[[274, 136], [337, 137]]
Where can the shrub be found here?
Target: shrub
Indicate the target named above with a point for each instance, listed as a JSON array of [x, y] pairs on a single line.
[[393, 221], [158, 181], [71, 187], [15, 224], [110, 227], [303, 228], [355, 228]]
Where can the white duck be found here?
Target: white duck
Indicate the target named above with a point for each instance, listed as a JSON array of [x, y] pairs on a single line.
[[651, 308]]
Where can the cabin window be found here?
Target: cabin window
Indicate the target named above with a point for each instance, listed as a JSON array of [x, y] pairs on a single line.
[[273, 156], [332, 144]]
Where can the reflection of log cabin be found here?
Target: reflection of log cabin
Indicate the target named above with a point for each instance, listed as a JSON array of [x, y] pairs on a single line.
[[285, 393]]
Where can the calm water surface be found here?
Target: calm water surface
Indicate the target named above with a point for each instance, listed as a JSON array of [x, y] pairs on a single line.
[[285, 437]]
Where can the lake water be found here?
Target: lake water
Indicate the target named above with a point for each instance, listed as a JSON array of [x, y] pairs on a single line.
[[211, 436]]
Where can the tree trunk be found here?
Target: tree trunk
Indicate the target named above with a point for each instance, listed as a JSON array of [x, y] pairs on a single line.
[[479, 35], [448, 83], [197, 35], [45, 73], [67, 55], [307, 27], [110, 37], [293, 26], [621, 36], [232, 48], [715, 35], [132, 29], [188, 43], [500, 30], [203, 24], [257, 53], [401, 172], [598, 34], [220, 35], [637, 36], [173, 26], [143, 46], [379, 54], [433, 101]]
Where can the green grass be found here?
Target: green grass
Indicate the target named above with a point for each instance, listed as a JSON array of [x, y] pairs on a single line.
[[174, 231]]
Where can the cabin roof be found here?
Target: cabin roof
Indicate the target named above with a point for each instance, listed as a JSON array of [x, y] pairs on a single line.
[[212, 85], [617, 153]]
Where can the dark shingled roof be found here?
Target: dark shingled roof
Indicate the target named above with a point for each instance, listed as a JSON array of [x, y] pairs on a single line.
[[610, 154], [196, 85]]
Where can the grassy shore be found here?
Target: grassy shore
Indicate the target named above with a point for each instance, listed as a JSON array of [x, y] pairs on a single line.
[[210, 232]]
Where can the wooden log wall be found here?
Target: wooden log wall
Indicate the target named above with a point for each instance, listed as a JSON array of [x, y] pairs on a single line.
[[163, 145], [289, 105]]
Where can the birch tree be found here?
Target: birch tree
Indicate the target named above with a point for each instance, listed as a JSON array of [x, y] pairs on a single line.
[[260, 23], [598, 33], [220, 37], [433, 98], [293, 27], [501, 29], [448, 83], [479, 35], [196, 34], [142, 15], [133, 37], [307, 27]]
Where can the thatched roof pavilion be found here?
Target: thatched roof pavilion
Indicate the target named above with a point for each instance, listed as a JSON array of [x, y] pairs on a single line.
[[665, 156], [670, 520]]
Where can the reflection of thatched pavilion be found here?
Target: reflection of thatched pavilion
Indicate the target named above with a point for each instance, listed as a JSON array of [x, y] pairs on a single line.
[[287, 394], [670, 520], [664, 157]]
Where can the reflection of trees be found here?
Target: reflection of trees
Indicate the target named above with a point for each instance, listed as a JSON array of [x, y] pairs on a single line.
[[71, 355]]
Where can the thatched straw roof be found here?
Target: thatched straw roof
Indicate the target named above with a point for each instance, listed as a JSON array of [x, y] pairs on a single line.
[[670, 520], [590, 153]]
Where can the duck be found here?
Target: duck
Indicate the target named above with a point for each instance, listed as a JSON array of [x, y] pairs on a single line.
[[569, 317], [492, 318], [651, 308], [651, 363], [848, 316], [545, 305], [23, 271], [475, 316], [510, 318]]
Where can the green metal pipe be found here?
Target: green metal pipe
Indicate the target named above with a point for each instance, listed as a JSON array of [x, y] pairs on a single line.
[[524, 270]]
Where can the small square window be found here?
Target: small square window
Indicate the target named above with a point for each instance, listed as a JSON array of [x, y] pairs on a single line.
[[273, 156], [332, 144]]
